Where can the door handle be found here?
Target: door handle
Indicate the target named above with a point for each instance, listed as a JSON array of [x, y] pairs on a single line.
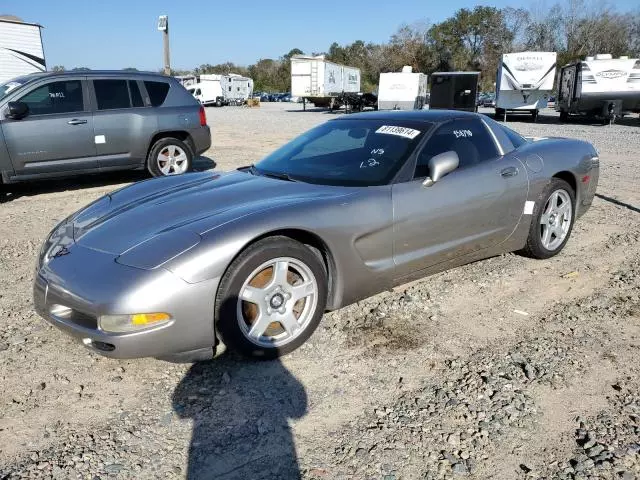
[[509, 172], [76, 121]]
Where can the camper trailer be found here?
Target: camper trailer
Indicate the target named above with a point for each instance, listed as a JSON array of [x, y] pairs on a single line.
[[454, 90], [236, 89], [219, 90], [320, 81], [403, 90], [21, 49], [524, 82], [599, 86], [187, 80]]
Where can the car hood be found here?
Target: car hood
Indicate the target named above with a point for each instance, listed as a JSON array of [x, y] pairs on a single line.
[[195, 202]]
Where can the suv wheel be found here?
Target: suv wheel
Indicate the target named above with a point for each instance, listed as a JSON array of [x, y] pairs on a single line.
[[169, 156]]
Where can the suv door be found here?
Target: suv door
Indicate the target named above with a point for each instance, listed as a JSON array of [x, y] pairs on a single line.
[[57, 134], [475, 207], [123, 123]]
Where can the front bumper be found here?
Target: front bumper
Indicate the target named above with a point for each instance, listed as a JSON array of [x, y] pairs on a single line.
[[85, 284]]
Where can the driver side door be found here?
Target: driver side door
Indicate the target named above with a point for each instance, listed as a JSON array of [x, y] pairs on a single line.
[[57, 134], [475, 207]]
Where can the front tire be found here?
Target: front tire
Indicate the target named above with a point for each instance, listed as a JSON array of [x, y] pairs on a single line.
[[271, 298], [552, 220], [169, 156]]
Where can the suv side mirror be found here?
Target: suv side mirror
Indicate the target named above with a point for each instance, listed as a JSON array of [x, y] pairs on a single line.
[[17, 110], [441, 165]]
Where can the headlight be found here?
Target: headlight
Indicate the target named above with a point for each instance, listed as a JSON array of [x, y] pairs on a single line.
[[132, 323]]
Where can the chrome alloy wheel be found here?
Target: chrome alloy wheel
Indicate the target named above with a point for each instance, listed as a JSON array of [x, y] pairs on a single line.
[[277, 302], [555, 220], [172, 160]]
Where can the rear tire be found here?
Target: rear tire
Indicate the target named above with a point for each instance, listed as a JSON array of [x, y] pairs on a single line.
[[169, 156], [271, 299], [552, 220], [564, 116]]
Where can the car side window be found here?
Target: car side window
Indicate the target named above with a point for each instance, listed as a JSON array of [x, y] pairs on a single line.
[[157, 92], [469, 138], [136, 97], [112, 94], [55, 97]]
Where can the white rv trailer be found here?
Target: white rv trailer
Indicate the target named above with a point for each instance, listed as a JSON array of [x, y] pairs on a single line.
[[236, 88], [187, 80], [403, 90], [524, 82], [319, 80], [21, 49], [599, 86]]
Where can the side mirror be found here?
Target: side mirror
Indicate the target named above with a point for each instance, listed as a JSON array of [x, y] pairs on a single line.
[[441, 165], [17, 110]]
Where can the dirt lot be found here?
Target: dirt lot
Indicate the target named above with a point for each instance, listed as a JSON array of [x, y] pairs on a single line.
[[506, 368]]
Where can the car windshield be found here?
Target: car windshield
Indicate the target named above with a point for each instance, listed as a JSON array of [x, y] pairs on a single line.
[[353, 152], [11, 85]]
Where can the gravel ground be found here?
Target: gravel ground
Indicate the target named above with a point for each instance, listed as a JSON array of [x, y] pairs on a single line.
[[508, 368]]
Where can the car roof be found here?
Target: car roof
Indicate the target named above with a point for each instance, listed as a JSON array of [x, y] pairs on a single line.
[[431, 116], [95, 73]]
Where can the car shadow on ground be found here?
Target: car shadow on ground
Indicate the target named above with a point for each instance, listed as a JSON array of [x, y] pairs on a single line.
[[14, 191], [240, 411], [618, 202]]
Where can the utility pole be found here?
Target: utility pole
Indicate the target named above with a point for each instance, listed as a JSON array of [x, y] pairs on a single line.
[[163, 26]]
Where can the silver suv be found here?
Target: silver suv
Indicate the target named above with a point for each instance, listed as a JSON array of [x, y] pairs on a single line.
[[60, 124]]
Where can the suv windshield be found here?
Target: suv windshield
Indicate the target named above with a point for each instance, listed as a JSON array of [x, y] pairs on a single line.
[[11, 85], [355, 152]]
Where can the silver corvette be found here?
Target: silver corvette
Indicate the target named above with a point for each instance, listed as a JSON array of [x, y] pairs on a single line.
[[170, 267]]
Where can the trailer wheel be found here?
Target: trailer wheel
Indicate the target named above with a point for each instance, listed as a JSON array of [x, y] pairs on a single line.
[[218, 103], [499, 115], [534, 115], [564, 116]]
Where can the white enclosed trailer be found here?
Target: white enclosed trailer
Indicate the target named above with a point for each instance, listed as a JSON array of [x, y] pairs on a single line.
[[21, 49], [236, 88], [319, 80], [404, 90], [599, 86], [524, 82]]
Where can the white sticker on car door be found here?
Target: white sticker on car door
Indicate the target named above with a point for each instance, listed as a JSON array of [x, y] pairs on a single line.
[[100, 139], [528, 207]]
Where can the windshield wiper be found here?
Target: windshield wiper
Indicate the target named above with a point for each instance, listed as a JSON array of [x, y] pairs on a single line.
[[280, 176], [261, 173]]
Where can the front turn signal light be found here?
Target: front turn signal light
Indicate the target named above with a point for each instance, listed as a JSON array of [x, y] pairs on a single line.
[[132, 323]]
